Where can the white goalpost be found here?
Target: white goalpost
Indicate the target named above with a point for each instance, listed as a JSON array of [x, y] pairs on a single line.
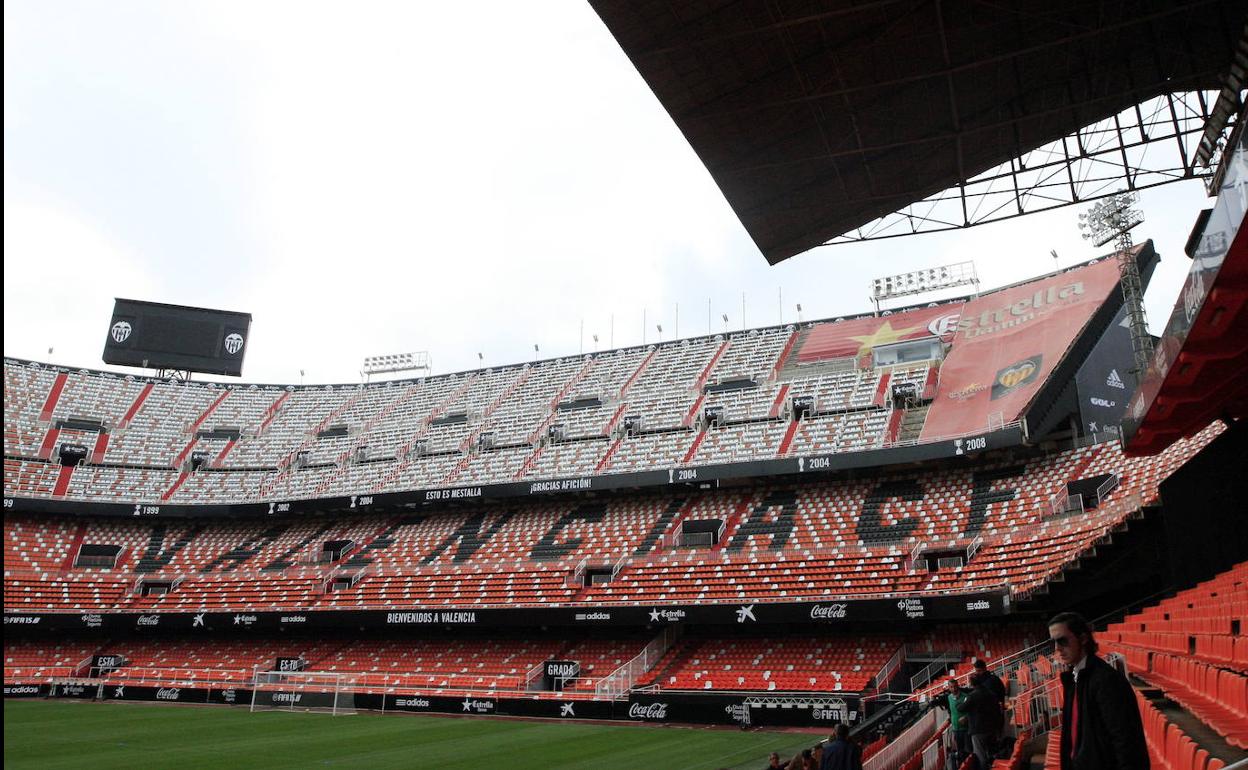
[[322, 692]]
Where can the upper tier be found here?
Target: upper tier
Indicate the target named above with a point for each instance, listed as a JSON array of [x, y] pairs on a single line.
[[151, 440]]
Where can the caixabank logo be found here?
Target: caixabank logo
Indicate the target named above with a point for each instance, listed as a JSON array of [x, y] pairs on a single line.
[[1015, 376]]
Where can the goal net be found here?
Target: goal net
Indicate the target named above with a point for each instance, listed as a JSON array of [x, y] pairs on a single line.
[[316, 691]]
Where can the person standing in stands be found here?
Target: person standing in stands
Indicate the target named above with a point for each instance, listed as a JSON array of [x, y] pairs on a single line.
[[841, 754], [994, 682], [985, 719], [955, 700], [1101, 725], [773, 762], [998, 689]]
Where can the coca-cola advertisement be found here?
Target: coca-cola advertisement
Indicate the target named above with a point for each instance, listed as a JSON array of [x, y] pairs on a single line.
[[648, 711], [834, 611]]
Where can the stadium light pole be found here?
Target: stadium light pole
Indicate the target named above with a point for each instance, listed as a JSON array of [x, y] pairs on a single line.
[[1112, 219], [660, 328], [799, 312], [725, 317]]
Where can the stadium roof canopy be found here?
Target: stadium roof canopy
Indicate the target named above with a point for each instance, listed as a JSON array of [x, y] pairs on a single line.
[[1199, 371], [818, 119]]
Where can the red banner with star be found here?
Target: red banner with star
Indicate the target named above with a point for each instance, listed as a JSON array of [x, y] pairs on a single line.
[[1006, 345], [857, 337]]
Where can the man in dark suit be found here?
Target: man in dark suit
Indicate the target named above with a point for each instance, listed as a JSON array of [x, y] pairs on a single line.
[[985, 719], [841, 754], [1101, 726], [994, 682]]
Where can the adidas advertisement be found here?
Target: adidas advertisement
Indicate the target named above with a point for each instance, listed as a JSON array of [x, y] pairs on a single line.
[[1105, 382]]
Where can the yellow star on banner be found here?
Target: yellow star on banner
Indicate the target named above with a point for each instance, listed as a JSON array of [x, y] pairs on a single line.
[[885, 335]]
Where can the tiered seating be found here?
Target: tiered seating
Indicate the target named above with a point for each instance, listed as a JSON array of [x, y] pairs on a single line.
[[974, 642], [160, 433], [29, 479], [798, 664], [1206, 622], [664, 393], [749, 356], [570, 458], [1169, 748], [293, 425], [841, 432], [379, 665], [838, 391], [151, 429], [467, 664], [650, 450], [740, 443], [1191, 645], [191, 661], [606, 381], [25, 390], [1218, 697], [30, 661], [820, 540]]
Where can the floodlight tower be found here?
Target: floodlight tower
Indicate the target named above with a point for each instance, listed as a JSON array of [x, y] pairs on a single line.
[[1112, 219]]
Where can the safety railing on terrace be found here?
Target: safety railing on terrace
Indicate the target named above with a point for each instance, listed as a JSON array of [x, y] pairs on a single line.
[[619, 682], [909, 743], [885, 676], [935, 668], [576, 577]]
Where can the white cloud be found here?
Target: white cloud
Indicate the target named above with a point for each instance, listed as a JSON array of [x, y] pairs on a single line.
[[59, 294], [385, 177]]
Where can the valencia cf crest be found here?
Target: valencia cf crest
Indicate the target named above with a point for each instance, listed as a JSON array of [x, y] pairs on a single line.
[[1015, 376]]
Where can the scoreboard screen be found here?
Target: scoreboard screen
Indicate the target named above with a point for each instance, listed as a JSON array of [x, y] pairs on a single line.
[[158, 336]]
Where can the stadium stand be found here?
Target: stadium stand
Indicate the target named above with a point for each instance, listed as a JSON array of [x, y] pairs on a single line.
[[270, 442], [791, 664], [821, 540], [1000, 523], [1192, 646]]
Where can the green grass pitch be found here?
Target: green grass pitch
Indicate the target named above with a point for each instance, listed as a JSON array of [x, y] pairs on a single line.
[[64, 734]]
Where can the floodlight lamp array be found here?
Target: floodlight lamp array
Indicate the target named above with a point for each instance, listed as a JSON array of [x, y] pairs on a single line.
[[1111, 217]]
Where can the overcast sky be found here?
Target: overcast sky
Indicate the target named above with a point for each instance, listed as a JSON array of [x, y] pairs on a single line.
[[369, 178]]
